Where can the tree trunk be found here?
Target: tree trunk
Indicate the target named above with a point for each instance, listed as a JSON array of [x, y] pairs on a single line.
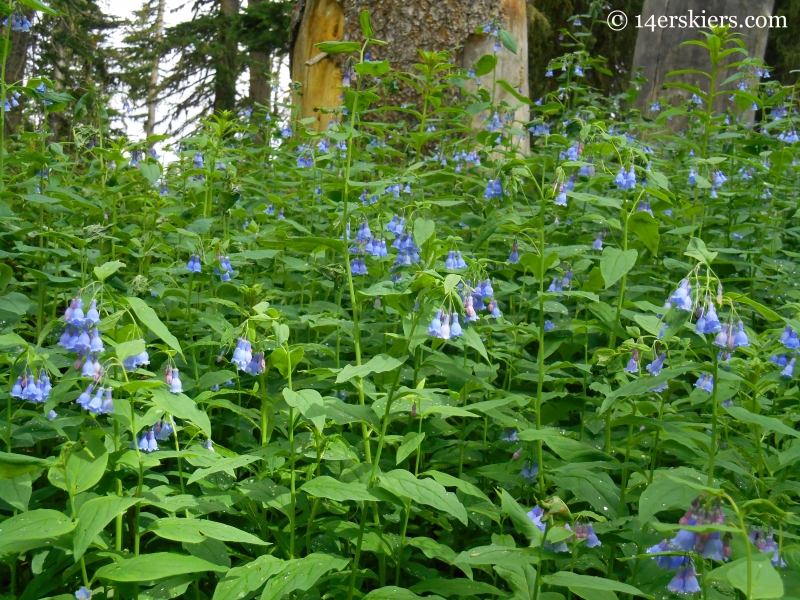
[[406, 25], [152, 94], [659, 51], [260, 68], [226, 67]]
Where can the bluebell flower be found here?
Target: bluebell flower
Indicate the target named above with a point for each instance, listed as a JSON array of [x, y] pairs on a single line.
[[493, 189], [92, 315], [77, 318], [494, 309], [96, 403], [692, 177], [537, 513], [16, 391], [741, 338], [633, 364], [682, 297], [513, 258], [788, 371], [654, 368], [529, 472], [685, 580], [435, 327], [779, 360], [83, 593], [52, 416], [460, 262], [721, 340], [509, 435], [592, 540], [455, 327], [598, 243], [790, 339], [561, 198], [697, 100], [108, 403], [670, 562], [548, 325], [286, 131], [549, 72]]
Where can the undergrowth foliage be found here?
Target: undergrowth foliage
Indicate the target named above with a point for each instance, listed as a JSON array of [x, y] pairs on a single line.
[[400, 358]]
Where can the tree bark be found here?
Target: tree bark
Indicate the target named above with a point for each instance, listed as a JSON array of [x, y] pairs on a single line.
[[226, 71], [406, 25], [659, 51], [152, 94], [260, 68]]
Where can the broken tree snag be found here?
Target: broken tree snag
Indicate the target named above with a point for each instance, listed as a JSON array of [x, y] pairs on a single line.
[[320, 78], [659, 51], [406, 25], [511, 68]]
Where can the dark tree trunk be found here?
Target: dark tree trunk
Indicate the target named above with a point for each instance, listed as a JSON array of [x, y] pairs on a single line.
[[659, 51], [260, 69], [226, 71], [406, 25]]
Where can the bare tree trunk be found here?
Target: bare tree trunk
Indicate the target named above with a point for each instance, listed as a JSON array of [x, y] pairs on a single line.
[[260, 68], [59, 125], [659, 50], [152, 93], [406, 25], [226, 71]]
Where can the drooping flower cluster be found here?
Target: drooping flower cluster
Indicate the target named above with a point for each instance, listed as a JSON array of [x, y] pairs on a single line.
[[18, 23], [711, 545], [454, 261], [765, 542], [31, 389], [225, 265], [82, 337], [626, 181], [242, 354], [194, 265], [173, 379], [441, 326], [97, 404]]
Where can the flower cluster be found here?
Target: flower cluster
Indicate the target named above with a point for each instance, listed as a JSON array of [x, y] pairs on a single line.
[[96, 404], [765, 542], [712, 545], [18, 23], [454, 261], [31, 389], [626, 181], [225, 265], [173, 379], [194, 265]]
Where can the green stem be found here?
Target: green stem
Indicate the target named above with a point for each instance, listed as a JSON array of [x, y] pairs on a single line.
[[713, 452]]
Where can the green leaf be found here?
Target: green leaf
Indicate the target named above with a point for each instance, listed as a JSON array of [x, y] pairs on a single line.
[[183, 407], [377, 68], [150, 170], [473, 340], [14, 465], [104, 271], [240, 581], [93, 517], [697, 249], [338, 47], [455, 587], [767, 423], [423, 230], [158, 565], [33, 529], [508, 41], [209, 380], [423, 491], [765, 580], [569, 580], [150, 319], [391, 592], [378, 364], [301, 574], [646, 227], [450, 481], [309, 403], [339, 491], [40, 6], [519, 517], [411, 442], [17, 491], [83, 469], [132, 348], [286, 362], [366, 25], [615, 263], [485, 65], [493, 555], [767, 313], [223, 464], [450, 282], [663, 494], [195, 531], [643, 384]]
